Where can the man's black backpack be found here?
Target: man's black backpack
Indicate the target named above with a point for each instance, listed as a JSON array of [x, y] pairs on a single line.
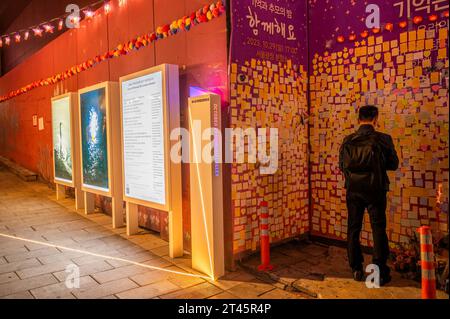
[[363, 164]]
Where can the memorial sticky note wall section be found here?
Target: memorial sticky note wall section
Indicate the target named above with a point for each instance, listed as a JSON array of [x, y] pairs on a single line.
[[409, 84]]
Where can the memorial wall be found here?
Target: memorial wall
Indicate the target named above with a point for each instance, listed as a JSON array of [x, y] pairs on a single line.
[[402, 67], [268, 63], [300, 67]]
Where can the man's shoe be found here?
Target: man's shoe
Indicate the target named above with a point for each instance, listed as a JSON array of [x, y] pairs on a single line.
[[358, 275], [385, 280]]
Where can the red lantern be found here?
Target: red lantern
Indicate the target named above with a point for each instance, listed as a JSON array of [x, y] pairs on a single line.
[[352, 37], [89, 14], [37, 32], [340, 39], [403, 24], [48, 28], [364, 34], [433, 17], [107, 7], [389, 27], [446, 14], [376, 30], [417, 19]]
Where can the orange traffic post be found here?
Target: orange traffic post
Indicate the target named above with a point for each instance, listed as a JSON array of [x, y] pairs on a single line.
[[264, 238], [427, 263]]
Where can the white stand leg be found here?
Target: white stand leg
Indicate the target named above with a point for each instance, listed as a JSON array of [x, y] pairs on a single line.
[[117, 212], [175, 234], [79, 199], [132, 219], [89, 203], [60, 192]]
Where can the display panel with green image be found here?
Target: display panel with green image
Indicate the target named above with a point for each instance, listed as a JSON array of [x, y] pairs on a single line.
[[62, 139]]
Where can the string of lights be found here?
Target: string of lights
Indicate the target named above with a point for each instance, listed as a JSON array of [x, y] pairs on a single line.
[[183, 24], [60, 23]]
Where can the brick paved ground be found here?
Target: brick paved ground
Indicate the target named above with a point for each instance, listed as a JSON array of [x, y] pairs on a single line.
[[32, 270]]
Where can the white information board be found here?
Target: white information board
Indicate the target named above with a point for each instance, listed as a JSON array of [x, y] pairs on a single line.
[[143, 138]]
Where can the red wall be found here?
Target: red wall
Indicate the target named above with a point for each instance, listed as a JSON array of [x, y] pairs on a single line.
[[201, 54], [203, 51]]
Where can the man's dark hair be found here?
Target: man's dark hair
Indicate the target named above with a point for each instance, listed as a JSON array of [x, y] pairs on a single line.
[[368, 113]]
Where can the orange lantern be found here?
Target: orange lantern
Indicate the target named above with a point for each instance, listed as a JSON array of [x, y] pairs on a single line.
[[417, 19], [433, 17]]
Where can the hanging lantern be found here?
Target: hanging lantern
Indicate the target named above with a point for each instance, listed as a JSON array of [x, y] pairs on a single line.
[[376, 30], [352, 37], [364, 34], [445, 14], [26, 35], [107, 7], [37, 32], [433, 17], [17, 38], [75, 20], [417, 19], [389, 26], [48, 28], [89, 14], [7, 41], [403, 24], [340, 39], [60, 25], [1, 43]]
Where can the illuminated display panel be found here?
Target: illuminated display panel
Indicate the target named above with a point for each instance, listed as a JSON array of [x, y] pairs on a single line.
[[143, 130]]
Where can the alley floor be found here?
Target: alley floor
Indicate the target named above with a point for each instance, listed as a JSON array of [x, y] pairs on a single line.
[[41, 240]]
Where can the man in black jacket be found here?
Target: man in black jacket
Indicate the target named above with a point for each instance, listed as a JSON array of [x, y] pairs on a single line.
[[364, 158]]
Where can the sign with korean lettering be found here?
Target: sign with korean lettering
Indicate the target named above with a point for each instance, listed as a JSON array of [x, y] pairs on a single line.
[[273, 30]]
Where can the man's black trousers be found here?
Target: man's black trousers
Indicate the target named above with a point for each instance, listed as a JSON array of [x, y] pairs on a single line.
[[376, 207]]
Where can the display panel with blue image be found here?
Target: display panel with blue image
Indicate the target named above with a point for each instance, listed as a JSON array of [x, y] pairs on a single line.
[[94, 139]]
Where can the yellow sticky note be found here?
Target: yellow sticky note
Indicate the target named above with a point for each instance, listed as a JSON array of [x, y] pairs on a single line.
[[443, 33], [429, 44], [404, 47], [420, 34], [418, 71], [434, 77], [403, 37]]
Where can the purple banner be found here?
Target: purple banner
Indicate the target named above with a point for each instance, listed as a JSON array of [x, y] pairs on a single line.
[[273, 30], [332, 19]]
